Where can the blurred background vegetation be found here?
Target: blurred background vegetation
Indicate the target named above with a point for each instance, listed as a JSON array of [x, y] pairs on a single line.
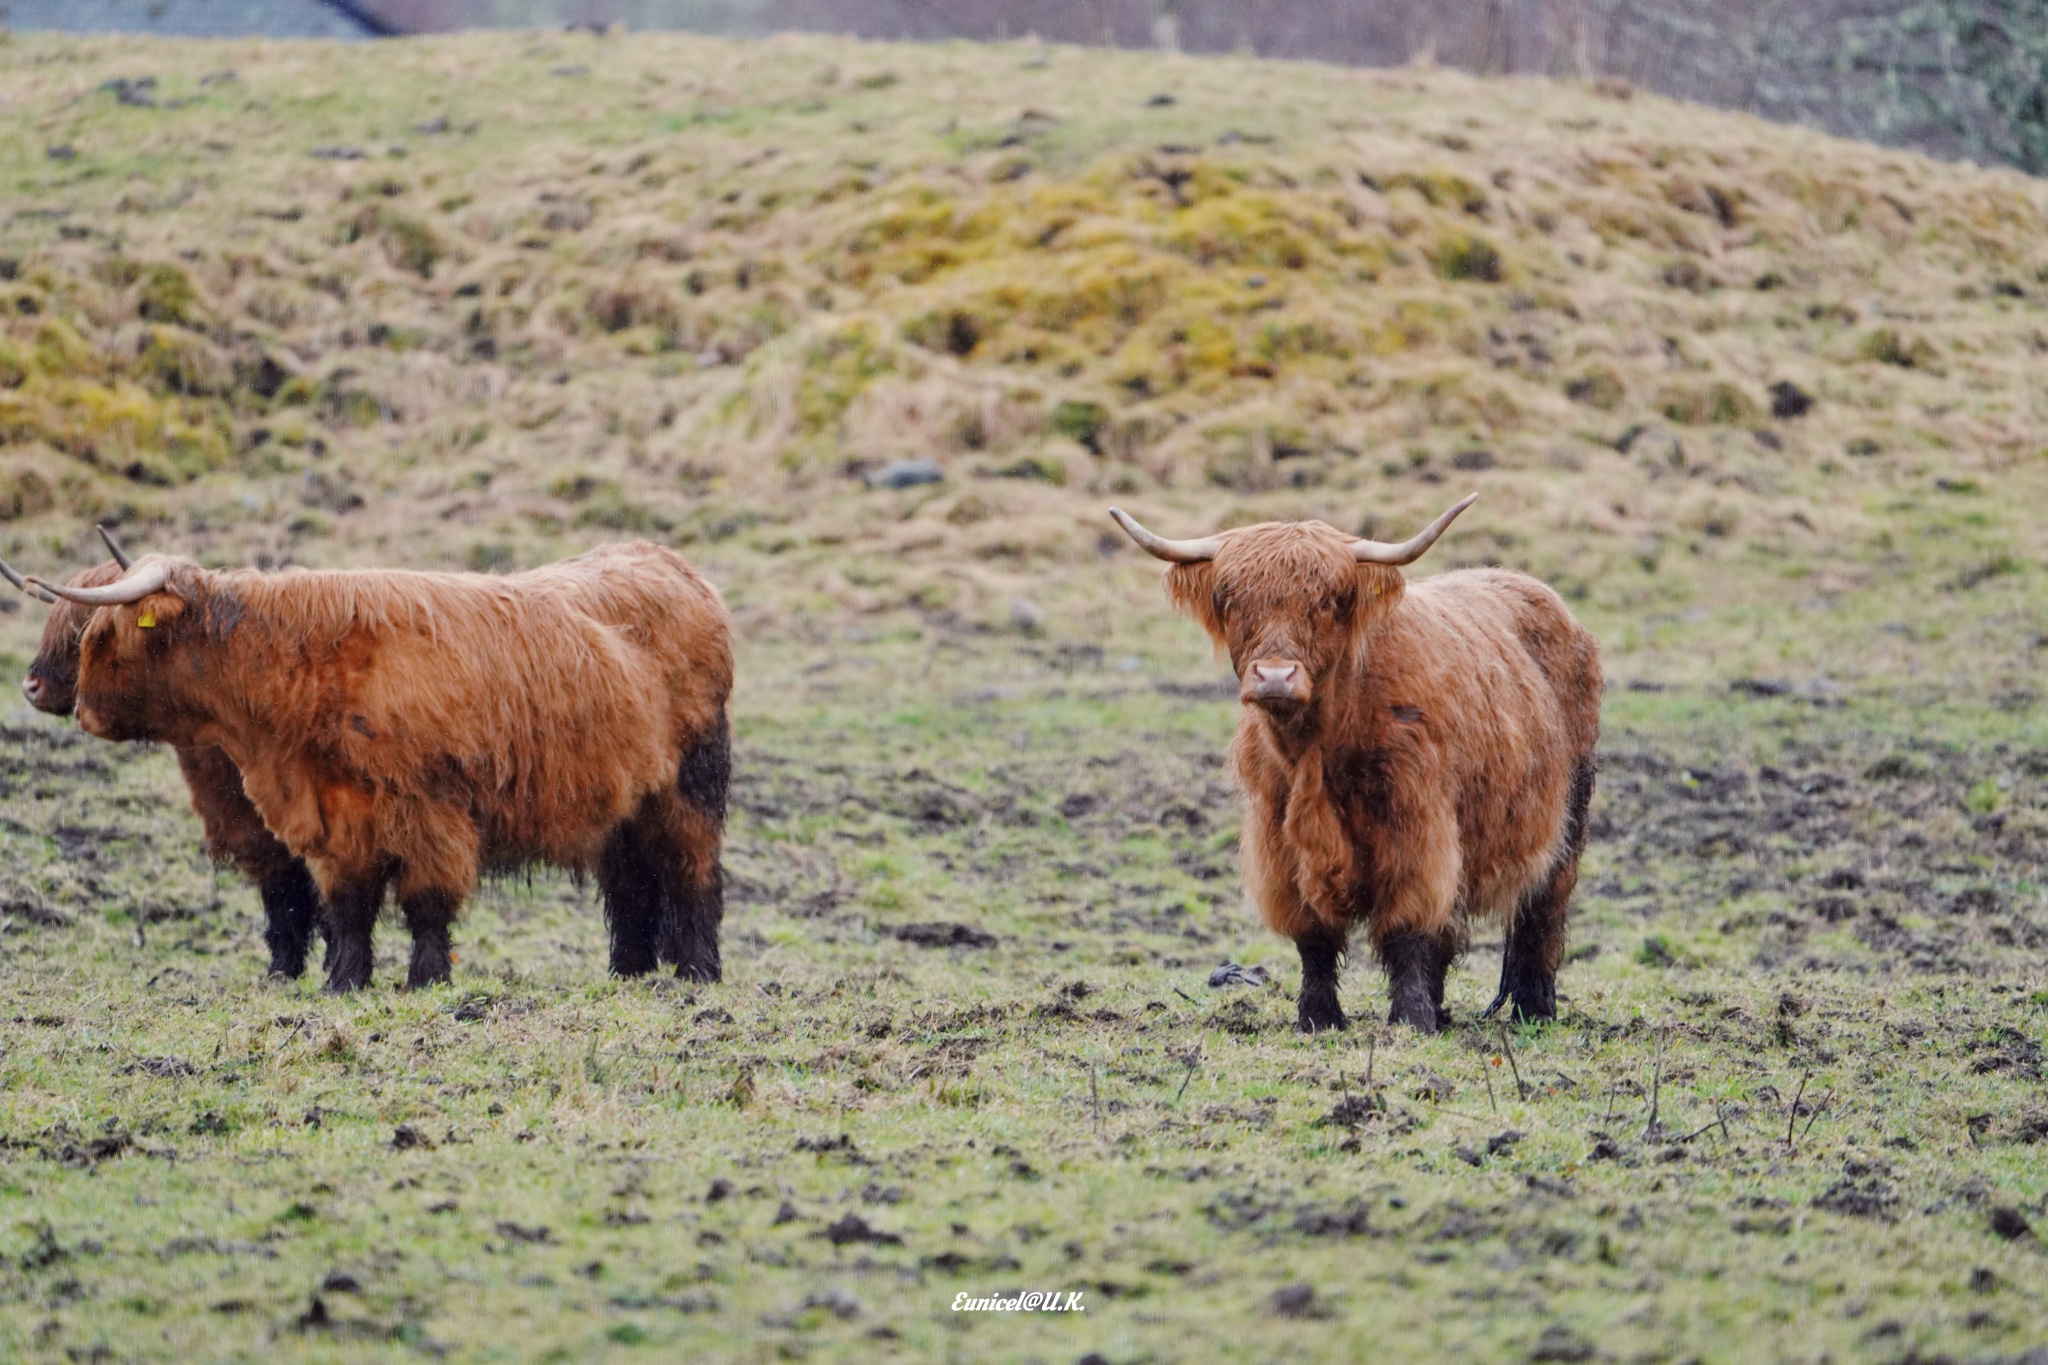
[[1958, 78]]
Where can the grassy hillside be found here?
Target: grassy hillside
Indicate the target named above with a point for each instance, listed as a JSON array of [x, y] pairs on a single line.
[[482, 301]]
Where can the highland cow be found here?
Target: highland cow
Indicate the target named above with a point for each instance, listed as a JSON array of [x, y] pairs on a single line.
[[234, 834], [1411, 756], [414, 730]]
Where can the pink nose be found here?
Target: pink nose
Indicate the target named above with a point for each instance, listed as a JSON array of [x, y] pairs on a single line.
[[1278, 680], [32, 688]]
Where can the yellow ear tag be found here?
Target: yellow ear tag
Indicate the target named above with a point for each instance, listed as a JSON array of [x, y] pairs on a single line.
[[146, 619]]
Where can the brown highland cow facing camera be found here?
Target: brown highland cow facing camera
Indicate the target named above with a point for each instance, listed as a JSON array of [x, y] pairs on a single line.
[[416, 729], [234, 832], [1411, 756]]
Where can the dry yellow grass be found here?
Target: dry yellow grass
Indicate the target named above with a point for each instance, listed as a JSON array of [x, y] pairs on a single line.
[[576, 287]]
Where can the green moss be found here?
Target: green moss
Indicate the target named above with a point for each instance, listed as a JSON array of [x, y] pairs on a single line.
[[1888, 346], [1701, 405], [1081, 421], [167, 295], [1600, 387], [1468, 256]]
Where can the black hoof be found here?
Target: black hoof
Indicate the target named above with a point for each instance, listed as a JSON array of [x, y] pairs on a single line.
[[705, 973], [427, 971], [1324, 1017], [1422, 1016]]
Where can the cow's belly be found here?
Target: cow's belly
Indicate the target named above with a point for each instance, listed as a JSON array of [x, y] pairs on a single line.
[[1510, 845]]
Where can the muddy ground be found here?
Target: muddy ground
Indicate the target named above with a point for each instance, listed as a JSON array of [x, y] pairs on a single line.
[[1792, 1108]]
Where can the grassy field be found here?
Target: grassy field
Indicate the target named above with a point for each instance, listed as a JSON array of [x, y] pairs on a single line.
[[483, 301]]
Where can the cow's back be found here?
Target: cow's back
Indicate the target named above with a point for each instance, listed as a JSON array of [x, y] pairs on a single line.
[[546, 703], [660, 604], [1473, 615]]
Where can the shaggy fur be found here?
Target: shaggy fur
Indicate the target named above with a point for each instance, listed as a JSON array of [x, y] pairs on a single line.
[[414, 730], [234, 832], [1433, 766]]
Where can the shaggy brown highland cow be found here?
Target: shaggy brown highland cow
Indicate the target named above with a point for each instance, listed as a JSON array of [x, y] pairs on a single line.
[[417, 729], [1411, 755], [234, 832]]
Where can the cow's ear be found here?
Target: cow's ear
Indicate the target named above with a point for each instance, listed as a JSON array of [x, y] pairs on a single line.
[[1193, 590], [158, 611], [1379, 588]]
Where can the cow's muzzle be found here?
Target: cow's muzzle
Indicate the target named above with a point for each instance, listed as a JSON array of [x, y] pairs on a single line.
[[1281, 683]]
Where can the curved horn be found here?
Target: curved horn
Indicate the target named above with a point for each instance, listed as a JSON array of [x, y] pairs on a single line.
[[1412, 549], [114, 548], [133, 588], [1159, 547], [38, 592]]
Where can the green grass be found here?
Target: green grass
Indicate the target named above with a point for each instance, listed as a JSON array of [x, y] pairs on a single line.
[[1796, 1087], [1072, 1108]]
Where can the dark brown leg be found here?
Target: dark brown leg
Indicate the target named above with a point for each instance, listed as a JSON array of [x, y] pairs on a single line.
[[695, 914], [291, 912], [1415, 966], [633, 899], [352, 915], [1317, 1009], [1535, 946], [428, 915], [692, 874]]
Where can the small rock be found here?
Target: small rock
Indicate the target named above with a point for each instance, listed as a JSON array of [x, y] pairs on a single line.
[[854, 1228], [1432, 1087], [134, 93], [340, 1282], [1560, 1344], [1235, 974], [1788, 400], [1653, 446], [2010, 1224], [1502, 1142], [1160, 101], [62, 151], [905, 474], [835, 1301], [1353, 1111], [1468, 1156], [944, 935], [721, 1188], [1026, 615], [406, 1137], [517, 1233], [1295, 1301]]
